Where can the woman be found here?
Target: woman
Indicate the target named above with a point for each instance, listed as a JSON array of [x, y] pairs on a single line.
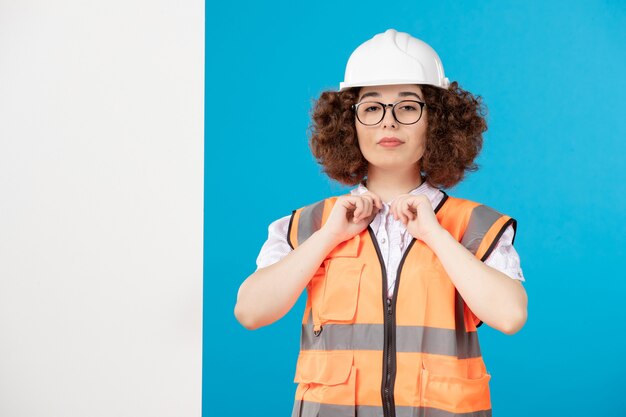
[[398, 274]]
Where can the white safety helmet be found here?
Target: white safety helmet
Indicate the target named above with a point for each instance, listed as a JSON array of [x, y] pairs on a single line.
[[394, 58]]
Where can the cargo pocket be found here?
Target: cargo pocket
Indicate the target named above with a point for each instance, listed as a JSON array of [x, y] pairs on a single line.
[[328, 380], [341, 283], [454, 394]]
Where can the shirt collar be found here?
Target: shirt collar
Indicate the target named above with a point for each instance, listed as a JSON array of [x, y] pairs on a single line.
[[424, 188]]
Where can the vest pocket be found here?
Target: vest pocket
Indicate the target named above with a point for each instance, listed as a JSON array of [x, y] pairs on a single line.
[[454, 394], [341, 290], [329, 379]]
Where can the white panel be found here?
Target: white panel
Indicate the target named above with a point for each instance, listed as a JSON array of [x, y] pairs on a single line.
[[101, 186]]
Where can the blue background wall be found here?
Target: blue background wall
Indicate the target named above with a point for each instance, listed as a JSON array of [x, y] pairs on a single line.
[[552, 77]]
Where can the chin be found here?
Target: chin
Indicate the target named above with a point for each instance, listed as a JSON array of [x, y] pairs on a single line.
[[393, 163]]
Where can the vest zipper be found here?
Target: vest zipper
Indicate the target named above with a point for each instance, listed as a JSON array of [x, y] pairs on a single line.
[[389, 347], [388, 403], [389, 350]]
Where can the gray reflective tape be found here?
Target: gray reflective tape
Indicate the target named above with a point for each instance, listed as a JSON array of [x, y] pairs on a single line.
[[481, 220], [408, 339], [343, 337], [437, 341], [405, 411], [295, 411], [313, 409], [436, 412], [310, 221]]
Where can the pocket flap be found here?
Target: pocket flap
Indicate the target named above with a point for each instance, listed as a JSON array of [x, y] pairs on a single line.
[[456, 394], [341, 290], [321, 367]]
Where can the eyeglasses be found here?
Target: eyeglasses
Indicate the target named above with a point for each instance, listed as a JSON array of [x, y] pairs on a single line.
[[406, 112]]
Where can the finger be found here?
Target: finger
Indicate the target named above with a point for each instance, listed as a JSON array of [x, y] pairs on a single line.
[[349, 202], [367, 206], [395, 211], [397, 202], [393, 207], [407, 209], [362, 210], [367, 196], [377, 200], [374, 209], [407, 212], [402, 213], [358, 210], [401, 218]]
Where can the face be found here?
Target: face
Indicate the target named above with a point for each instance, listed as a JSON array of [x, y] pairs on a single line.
[[411, 144]]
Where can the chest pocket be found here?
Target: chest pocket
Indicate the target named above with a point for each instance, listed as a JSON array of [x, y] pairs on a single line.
[[340, 294]]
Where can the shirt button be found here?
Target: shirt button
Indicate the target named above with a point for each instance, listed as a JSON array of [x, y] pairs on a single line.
[[382, 240]]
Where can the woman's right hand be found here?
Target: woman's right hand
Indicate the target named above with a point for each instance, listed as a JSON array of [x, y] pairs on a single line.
[[350, 215], [266, 295]]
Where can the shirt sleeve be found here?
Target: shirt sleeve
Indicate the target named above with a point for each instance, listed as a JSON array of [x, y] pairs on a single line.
[[504, 257], [276, 246]]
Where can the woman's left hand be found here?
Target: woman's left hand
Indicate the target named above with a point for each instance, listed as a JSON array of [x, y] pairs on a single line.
[[416, 213]]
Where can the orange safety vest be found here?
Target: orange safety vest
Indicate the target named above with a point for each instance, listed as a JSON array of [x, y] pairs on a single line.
[[416, 354]]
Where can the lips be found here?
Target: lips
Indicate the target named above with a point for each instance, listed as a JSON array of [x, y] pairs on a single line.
[[387, 139]]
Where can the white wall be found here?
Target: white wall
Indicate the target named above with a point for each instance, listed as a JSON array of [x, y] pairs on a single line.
[[101, 187]]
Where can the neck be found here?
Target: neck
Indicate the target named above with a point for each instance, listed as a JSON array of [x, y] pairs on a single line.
[[388, 184]]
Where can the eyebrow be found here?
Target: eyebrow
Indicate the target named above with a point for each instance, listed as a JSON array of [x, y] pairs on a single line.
[[402, 94]]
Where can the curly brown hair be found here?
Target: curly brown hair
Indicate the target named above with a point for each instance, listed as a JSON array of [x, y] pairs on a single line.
[[456, 122]]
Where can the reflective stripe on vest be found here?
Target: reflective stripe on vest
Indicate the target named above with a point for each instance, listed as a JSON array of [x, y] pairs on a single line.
[[312, 409], [308, 220], [416, 353], [367, 336]]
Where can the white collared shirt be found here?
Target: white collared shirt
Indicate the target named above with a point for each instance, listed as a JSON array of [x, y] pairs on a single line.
[[393, 238]]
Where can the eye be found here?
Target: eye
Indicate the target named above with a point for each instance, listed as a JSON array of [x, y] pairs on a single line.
[[370, 107], [408, 107]]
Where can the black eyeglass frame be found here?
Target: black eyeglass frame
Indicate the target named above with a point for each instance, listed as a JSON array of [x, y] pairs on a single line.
[[355, 107]]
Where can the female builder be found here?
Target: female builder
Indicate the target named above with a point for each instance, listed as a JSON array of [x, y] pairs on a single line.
[[398, 274]]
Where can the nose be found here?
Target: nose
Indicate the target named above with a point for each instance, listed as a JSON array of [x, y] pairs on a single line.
[[388, 119]]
